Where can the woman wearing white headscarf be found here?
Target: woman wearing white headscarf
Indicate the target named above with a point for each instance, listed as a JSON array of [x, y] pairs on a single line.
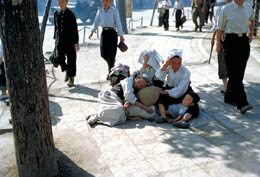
[[151, 61]]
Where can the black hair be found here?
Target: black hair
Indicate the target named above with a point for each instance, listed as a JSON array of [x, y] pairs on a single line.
[[195, 96]]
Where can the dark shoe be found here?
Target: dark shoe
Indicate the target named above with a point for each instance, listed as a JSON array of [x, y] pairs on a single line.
[[200, 29], [161, 120], [66, 77], [222, 92], [196, 28], [71, 82], [245, 108], [181, 124]]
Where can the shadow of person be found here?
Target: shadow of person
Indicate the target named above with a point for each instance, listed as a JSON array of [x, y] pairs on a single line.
[[84, 90], [55, 112], [67, 168]]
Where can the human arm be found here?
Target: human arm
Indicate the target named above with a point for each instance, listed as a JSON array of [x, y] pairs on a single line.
[[95, 24], [219, 34], [144, 107], [75, 32], [251, 29], [180, 82], [119, 26]]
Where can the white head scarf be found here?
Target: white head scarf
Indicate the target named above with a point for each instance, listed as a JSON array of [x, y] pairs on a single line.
[[154, 58], [175, 52]]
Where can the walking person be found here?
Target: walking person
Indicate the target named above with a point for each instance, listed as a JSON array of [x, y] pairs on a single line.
[[167, 4], [198, 8], [108, 18], [237, 21], [222, 71], [161, 13], [178, 11], [66, 32]]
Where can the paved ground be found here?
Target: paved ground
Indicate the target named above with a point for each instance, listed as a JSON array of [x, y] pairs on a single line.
[[222, 142]]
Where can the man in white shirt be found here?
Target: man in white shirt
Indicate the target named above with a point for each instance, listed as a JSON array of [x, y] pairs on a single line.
[[166, 4]]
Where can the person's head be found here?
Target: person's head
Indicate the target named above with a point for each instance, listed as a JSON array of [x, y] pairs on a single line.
[[239, 2], [175, 57], [63, 4], [106, 4], [140, 81], [190, 98]]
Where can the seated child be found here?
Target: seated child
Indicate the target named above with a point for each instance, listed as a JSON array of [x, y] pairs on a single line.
[[178, 111]]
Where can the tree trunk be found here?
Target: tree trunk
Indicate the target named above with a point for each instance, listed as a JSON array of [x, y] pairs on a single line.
[[122, 14], [27, 88], [45, 19]]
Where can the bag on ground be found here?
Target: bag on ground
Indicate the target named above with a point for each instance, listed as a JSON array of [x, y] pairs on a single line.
[[119, 73]]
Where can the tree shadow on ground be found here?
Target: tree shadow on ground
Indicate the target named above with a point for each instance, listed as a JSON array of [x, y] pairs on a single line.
[[221, 137], [56, 112], [67, 168], [84, 90]]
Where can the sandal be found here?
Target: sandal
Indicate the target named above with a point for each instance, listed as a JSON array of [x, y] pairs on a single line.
[[181, 124]]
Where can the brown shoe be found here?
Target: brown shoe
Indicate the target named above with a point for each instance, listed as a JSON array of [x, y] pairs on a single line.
[[71, 82], [66, 77]]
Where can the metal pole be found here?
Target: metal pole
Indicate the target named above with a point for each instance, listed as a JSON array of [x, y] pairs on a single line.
[[155, 5], [84, 34]]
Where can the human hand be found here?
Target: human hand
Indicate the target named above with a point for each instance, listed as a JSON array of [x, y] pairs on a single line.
[[76, 46], [125, 105], [218, 48], [148, 109], [122, 39], [164, 92]]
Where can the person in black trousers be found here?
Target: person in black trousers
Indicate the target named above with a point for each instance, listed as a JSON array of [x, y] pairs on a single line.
[[108, 18], [66, 34], [239, 32], [166, 4]]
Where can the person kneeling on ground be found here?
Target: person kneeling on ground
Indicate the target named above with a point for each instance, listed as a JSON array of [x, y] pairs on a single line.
[[121, 102], [177, 78]]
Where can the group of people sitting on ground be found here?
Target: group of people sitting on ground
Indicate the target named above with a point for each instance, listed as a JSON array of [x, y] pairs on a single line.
[[160, 91]]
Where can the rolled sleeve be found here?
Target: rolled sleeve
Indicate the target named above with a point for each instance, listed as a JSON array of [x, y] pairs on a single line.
[[161, 75], [221, 22], [118, 24], [127, 85], [178, 91], [96, 22]]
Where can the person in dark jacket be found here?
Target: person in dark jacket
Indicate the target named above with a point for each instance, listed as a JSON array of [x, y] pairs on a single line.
[[66, 35]]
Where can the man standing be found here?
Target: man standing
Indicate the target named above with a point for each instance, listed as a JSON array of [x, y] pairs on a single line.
[[166, 4], [237, 21], [161, 13], [198, 10], [66, 32], [108, 18]]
